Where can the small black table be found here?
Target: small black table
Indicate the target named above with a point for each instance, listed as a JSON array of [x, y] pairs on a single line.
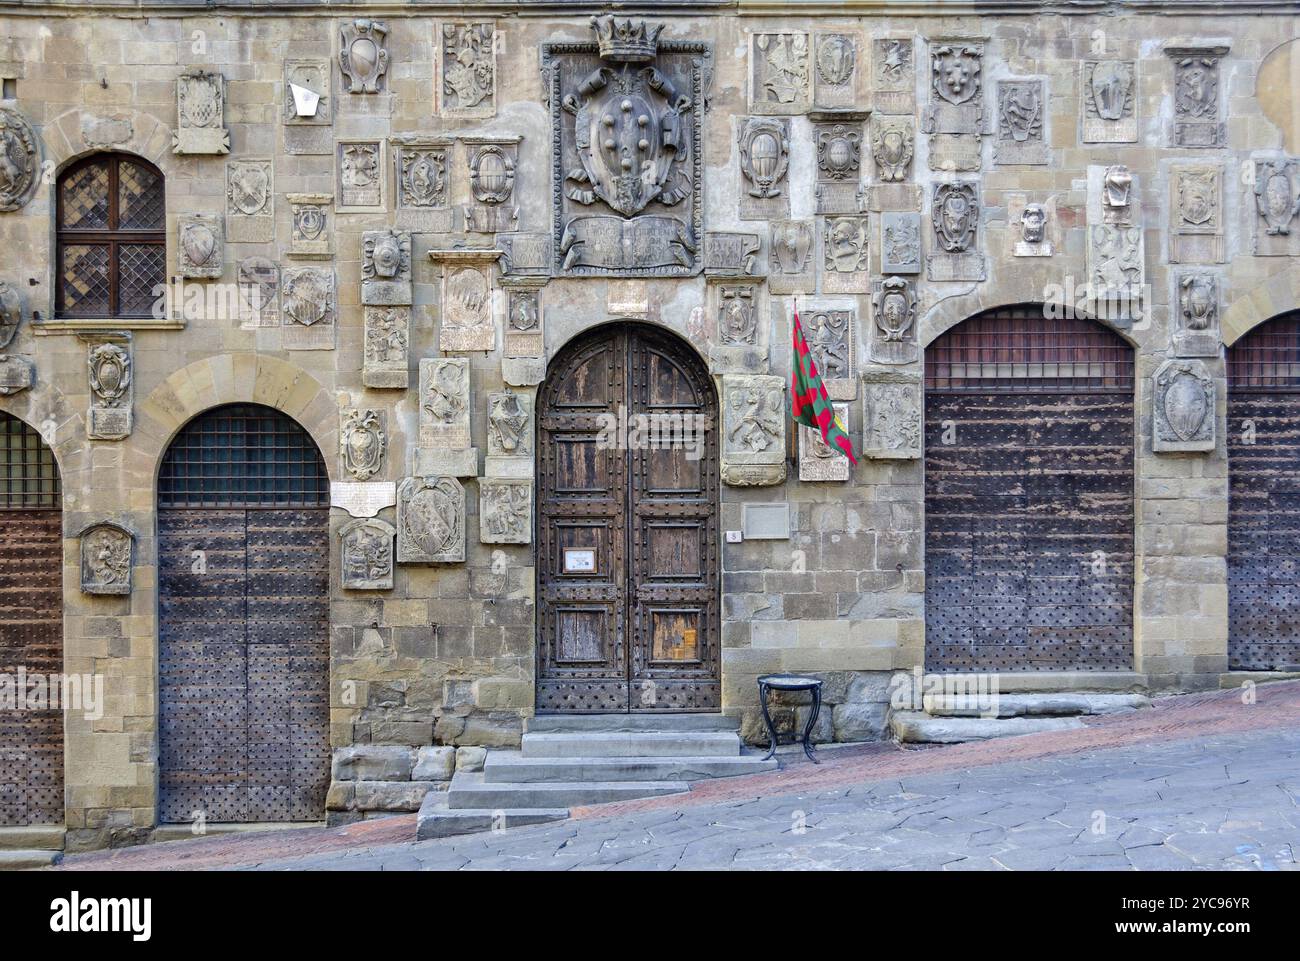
[[790, 682]]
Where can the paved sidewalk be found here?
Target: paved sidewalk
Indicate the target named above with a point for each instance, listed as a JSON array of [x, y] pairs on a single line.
[[1202, 781]]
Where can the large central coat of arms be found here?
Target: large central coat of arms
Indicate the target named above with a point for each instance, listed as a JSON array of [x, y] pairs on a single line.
[[625, 114]]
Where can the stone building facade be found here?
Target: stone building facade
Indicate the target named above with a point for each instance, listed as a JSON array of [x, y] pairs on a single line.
[[389, 222]]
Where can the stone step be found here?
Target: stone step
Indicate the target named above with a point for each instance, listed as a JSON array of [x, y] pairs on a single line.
[[26, 860], [1032, 705], [917, 727], [472, 791], [436, 820], [613, 723], [512, 766], [631, 744]]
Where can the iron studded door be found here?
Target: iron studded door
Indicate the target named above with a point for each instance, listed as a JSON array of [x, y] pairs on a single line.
[[31, 638], [1264, 498], [243, 622], [1028, 496], [626, 529]]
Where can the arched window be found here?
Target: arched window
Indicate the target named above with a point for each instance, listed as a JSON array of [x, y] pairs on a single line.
[[111, 237]]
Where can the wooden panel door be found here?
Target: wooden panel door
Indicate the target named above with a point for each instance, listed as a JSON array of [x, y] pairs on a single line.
[[627, 588]]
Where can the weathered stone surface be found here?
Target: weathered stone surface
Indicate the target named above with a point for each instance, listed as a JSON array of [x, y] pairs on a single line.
[[369, 762], [434, 764], [470, 758]]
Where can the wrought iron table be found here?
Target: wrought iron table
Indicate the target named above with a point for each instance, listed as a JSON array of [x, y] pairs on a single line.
[[790, 682]]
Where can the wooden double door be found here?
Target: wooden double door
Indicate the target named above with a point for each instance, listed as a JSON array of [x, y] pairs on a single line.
[[627, 527]]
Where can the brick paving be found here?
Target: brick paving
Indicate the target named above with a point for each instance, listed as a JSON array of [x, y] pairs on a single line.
[[1197, 781]]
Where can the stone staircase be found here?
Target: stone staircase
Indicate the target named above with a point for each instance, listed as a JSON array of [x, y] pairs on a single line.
[[955, 719], [570, 760]]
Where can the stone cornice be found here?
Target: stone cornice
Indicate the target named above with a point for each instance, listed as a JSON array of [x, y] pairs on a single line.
[[660, 8]]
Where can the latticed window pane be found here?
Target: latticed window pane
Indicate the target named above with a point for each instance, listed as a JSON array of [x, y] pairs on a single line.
[[84, 279], [29, 476], [84, 196], [1267, 358], [243, 455], [140, 198], [1021, 349], [140, 268]]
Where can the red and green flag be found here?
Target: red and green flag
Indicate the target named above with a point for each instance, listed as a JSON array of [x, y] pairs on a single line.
[[810, 405]]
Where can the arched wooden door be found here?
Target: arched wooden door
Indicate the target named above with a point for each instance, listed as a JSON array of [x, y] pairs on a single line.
[[31, 627], [1264, 497], [627, 527], [1028, 495], [243, 612]]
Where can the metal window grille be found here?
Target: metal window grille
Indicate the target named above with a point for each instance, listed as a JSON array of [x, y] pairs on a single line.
[[243, 455], [1267, 358], [1019, 350], [31, 477], [111, 237]]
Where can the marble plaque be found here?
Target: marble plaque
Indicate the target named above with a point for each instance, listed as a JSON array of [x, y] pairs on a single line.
[[308, 308], [831, 334], [790, 257], [311, 234], [838, 65], [363, 499], [200, 249], [525, 318], [1196, 205], [739, 334], [1022, 122], [731, 254], [844, 256], [200, 113], [468, 320], [111, 369]]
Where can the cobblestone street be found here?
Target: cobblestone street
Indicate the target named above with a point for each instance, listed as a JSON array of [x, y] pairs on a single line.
[[1200, 781]]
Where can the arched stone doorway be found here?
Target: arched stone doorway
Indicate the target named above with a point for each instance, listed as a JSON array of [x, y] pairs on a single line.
[[627, 527], [243, 613], [31, 628], [1264, 497], [1029, 495]]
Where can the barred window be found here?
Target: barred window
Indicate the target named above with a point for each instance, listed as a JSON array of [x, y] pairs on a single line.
[[29, 477], [243, 455], [111, 237], [1020, 350]]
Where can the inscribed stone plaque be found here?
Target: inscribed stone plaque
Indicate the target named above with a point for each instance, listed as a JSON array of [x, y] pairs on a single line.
[[1277, 205], [364, 499], [753, 440], [891, 426], [838, 64], [893, 77], [308, 308], [250, 202], [740, 329], [900, 243], [956, 87], [780, 73], [764, 148], [1109, 101], [1196, 204], [844, 256], [359, 177], [1022, 113], [430, 521], [311, 234], [817, 461], [1184, 408], [366, 555], [505, 512], [468, 320], [525, 316], [386, 347], [790, 257], [422, 172], [200, 113], [444, 403], [832, 338]]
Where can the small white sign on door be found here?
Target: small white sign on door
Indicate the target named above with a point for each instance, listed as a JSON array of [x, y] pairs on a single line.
[[579, 561]]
